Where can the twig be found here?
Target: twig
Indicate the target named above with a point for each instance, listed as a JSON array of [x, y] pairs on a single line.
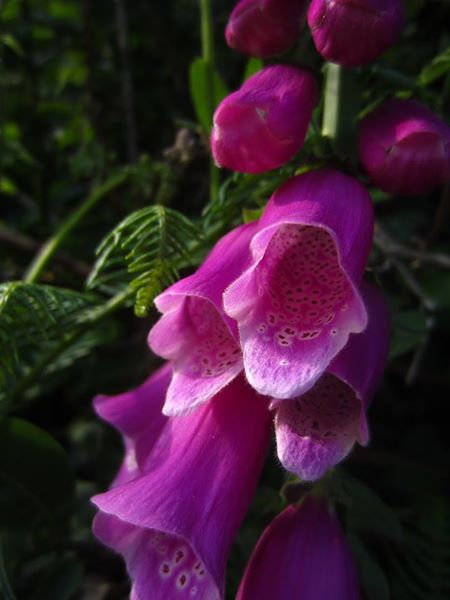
[[24, 243], [49, 249], [127, 82], [394, 248], [419, 355], [440, 217], [384, 242]]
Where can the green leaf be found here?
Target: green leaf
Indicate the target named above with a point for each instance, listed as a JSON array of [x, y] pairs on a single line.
[[253, 66], [368, 512], [144, 252], [251, 214], [34, 319], [421, 565], [204, 105], [409, 328], [37, 482], [8, 40], [439, 66], [372, 576]]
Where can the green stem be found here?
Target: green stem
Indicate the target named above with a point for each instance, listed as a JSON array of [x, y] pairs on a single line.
[[207, 32], [341, 106], [94, 316], [51, 246]]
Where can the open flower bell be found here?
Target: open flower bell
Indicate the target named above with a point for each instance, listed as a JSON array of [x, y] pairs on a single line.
[[194, 333], [405, 148], [318, 430], [179, 498], [302, 554], [298, 301], [353, 33], [265, 28], [263, 125]]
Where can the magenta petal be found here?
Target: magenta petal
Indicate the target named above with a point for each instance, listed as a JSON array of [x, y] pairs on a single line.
[[263, 125], [161, 567], [298, 302], [405, 148], [361, 363], [137, 415], [194, 333], [194, 498], [355, 32], [264, 28], [318, 430], [302, 554]]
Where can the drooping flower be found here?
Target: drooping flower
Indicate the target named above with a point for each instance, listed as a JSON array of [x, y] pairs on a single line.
[[298, 302], [302, 554], [177, 504], [265, 28], [353, 33], [263, 125], [318, 430], [194, 333], [405, 148]]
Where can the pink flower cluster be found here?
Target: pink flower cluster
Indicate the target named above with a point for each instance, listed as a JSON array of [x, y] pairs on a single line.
[[276, 326], [347, 32]]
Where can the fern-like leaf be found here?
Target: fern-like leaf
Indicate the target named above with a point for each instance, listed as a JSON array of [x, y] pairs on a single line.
[[144, 252], [34, 319]]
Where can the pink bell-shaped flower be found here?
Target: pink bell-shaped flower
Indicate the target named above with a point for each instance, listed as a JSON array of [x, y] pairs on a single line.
[[194, 333], [353, 33], [298, 301], [263, 125], [317, 430], [303, 554], [183, 488], [405, 148], [265, 28]]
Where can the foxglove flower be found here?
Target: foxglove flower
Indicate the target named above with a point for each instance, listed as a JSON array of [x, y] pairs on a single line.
[[355, 32], [174, 509], [265, 28], [302, 554], [263, 125], [194, 333], [405, 148], [318, 430], [298, 302]]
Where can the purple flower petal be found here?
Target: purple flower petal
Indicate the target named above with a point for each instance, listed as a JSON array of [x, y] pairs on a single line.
[[405, 148], [194, 333], [302, 554], [318, 430], [355, 32], [263, 125], [175, 521], [298, 302], [265, 28]]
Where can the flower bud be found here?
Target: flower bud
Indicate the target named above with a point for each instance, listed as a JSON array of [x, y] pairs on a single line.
[[265, 28], [302, 555], [405, 148], [263, 125], [352, 33]]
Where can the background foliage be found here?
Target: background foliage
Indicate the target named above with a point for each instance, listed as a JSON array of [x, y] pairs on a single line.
[[105, 199]]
